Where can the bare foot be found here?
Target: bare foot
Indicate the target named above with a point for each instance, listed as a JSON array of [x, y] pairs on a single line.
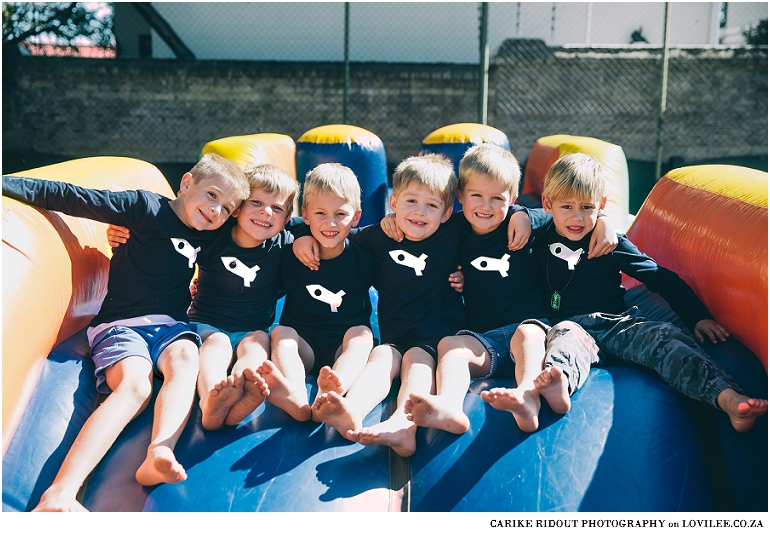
[[432, 411], [329, 381], [255, 390], [217, 403], [742, 410], [553, 385], [523, 404], [55, 501], [396, 432], [160, 466], [284, 394], [334, 410]]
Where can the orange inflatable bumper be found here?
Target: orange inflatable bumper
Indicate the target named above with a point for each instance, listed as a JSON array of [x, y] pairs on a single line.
[[709, 224], [55, 271]]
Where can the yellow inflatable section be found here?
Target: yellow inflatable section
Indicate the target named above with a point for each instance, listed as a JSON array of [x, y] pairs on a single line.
[[709, 224], [548, 149], [256, 149], [472, 133], [55, 271]]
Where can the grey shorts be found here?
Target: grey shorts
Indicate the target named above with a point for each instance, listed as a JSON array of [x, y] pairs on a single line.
[[119, 342], [569, 348]]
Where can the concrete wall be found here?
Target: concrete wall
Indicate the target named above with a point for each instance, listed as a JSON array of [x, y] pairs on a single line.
[[165, 111]]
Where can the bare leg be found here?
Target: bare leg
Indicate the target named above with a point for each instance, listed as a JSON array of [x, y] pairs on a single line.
[[131, 384], [285, 372], [459, 359], [346, 414], [252, 352], [179, 365], [353, 355], [742, 410], [398, 432], [528, 347], [217, 392]]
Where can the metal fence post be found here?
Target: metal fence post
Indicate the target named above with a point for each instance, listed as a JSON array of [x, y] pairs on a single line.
[[483, 62], [346, 89]]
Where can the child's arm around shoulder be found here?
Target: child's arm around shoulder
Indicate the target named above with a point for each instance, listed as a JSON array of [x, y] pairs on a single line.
[[519, 227], [306, 247], [604, 239]]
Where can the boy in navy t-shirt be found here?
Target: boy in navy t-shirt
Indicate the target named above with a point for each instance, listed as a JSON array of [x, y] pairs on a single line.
[[588, 291], [234, 304], [324, 327], [141, 327]]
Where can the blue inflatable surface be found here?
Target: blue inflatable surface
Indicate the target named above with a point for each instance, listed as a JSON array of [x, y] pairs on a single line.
[[630, 443], [368, 162]]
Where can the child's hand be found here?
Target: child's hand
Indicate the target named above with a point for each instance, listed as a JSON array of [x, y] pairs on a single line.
[[457, 280], [117, 235], [711, 329], [389, 227], [519, 230], [604, 239], [194, 288], [307, 251]]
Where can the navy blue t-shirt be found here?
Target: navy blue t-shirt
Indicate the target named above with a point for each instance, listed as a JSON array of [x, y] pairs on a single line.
[[416, 303], [501, 286], [238, 287], [324, 304], [587, 286], [151, 273]]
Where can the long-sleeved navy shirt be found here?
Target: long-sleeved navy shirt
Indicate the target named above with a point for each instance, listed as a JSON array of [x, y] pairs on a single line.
[[595, 285], [150, 274]]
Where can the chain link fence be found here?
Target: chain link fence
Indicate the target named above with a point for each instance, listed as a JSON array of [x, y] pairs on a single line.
[[401, 70]]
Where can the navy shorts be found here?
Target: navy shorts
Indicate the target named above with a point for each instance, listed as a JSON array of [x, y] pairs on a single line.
[[120, 342], [497, 343], [204, 330], [324, 351], [403, 348]]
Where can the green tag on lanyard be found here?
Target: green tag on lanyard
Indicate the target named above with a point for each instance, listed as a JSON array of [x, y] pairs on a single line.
[[555, 301]]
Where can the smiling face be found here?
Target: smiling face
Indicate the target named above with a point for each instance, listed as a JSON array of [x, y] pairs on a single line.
[[418, 211], [260, 217], [574, 218], [207, 203], [485, 202], [330, 220]]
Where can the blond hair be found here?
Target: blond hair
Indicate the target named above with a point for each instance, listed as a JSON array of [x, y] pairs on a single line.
[[273, 179], [214, 166], [334, 179], [496, 162], [433, 171], [575, 175]]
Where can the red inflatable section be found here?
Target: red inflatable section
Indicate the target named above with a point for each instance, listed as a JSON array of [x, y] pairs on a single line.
[[709, 224]]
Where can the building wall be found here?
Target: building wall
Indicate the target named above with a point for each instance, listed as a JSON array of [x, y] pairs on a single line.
[[165, 111]]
